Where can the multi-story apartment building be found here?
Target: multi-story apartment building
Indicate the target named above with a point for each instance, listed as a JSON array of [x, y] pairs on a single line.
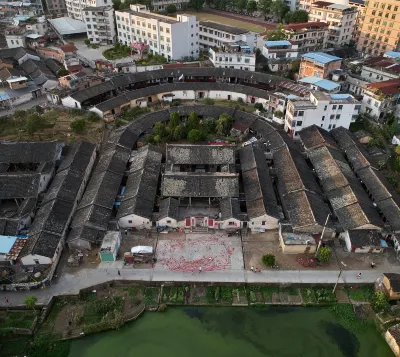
[[380, 28], [100, 24], [161, 5], [381, 98], [318, 64], [75, 8], [172, 38], [280, 54], [309, 36], [327, 111], [235, 56], [379, 69], [213, 34], [360, 5], [341, 20], [55, 7]]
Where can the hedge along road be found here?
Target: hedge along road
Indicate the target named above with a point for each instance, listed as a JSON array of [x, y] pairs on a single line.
[[73, 283]]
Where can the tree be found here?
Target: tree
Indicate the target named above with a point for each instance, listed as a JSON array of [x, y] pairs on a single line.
[[87, 42], [171, 9], [265, 6], [196, 4], [379, 302], [78, 126], [251, 6], [34, 123], [194, 135], [209, 125], [241, 5], [268, 260], [279, 9], [296, 17], [149, 139], [193, 121], [30, 302], [277, 34], [179, 132], [174, 120], [157, 139], [324, 254], [62, 72], [159, 129]]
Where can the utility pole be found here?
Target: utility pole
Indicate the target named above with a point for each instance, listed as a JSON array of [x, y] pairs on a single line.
[[322, 235], [337, 281]]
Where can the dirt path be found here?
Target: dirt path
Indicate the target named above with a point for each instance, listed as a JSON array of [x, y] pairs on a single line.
[[229, 15]]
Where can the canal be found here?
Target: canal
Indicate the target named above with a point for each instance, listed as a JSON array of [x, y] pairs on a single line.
[[235, 332]]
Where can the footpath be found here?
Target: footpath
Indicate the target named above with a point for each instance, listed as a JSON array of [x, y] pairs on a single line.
[[68, 284]]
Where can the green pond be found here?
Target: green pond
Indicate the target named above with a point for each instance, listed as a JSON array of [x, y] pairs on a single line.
[[233, 331]]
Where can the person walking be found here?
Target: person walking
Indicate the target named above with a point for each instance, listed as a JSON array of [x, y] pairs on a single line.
[[359, 276], [200, 270], [6, 298], [252, 269], [372, 265], [119, 273]]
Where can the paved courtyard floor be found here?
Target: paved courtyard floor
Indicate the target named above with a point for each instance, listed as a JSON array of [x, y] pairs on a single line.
[[210, 252]]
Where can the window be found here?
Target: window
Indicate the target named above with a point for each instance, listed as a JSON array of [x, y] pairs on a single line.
[[161, 29], [263, 223], [231, 223], [333, 126], [334, 107], [154, 27], [36, 261], [301, 113], [299, 123], [167, 30], [326, 107], [337, 116], [323, 118], [340, 107], [332, 116], [169, 221], [329, 126], [149, 26], [129, 221]]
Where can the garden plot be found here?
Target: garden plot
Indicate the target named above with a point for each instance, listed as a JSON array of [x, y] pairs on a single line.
[[211, 252]]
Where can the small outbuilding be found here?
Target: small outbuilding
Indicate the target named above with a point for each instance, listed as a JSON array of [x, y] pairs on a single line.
[[296, 243], [392, 337], [168, 213], [364, 241], [391, 284], [110, 246]]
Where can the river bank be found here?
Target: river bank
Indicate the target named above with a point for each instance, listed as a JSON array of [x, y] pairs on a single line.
[[110, 306]]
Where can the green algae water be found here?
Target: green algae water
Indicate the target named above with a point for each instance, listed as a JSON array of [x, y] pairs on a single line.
[[234, 332]]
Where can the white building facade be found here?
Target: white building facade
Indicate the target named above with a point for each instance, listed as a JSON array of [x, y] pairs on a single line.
[[100, 25], [327, 111], [341, 20], [236, 60], [171, 38], [213, 34], [75, 8]]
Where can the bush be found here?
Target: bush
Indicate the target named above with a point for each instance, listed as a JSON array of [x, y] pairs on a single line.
[[162, 308], [30, 302], [87, 42], [194, 135], [324, 254], [34, 123], [209, 101], [171, 9], [268, 260], [78, 126], [259, 106], [240, 101], [379, 302]]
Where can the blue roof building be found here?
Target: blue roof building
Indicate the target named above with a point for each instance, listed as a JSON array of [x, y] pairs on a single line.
[[277, 43], [392, 54], [6, 243], [320, 57], [321, 84]]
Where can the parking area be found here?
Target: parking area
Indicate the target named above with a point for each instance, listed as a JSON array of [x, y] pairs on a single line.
[[189, 252]]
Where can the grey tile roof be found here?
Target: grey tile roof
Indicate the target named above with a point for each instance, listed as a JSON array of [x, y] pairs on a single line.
[[78, 157], [169, 208], [113, 158], [42, 243], [200, 184], [261, 127], [395, 285], [19, 185], [365, 238], [314, 136], [92, 215], [230, 208], [224, 28], [356, 158], [102, 189], [52, 217], [29, 152], [343, 137], [257, 183], [305, 209], [142, 183], [87, 233], [123, 137], [65, 186], [391, 211], [92, 92], [38, 71], [293, 171], [182, 154]]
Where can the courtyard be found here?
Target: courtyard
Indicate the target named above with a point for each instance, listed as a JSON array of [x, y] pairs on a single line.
[[189, 252]]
